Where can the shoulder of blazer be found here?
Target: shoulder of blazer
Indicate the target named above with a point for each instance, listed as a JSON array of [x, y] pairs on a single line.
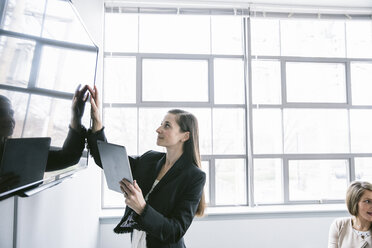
[[342, 223], [152, 155], [192, 170]]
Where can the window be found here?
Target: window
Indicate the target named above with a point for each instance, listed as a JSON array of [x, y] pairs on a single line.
[[187, 61], [279, 101], [310, 110]]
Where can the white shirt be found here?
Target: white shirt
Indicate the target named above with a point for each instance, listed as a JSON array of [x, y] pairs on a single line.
[[139, 237]]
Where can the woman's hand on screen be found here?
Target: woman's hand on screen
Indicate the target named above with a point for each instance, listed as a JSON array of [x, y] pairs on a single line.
[[94, 111], [78, 106]]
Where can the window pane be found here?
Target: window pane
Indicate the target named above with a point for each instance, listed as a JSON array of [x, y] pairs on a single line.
[[363, 169], [175, 80], [46, 117], [316, 82], [317, 179], [111, 199], [205, 168], [61, 23], [230, 182], [312, 38], [149, 120], [360, 128], [228, 131], [268, 181], [316, 131], [17, 15], [19, 105], [267, 131], [121, 127], [120, 80], [361, 83], [227, 35], [15, 61], [174, 33], [359, 39], [266, 85], [121, 32], [229, 81], [61, 69], [265, 36]]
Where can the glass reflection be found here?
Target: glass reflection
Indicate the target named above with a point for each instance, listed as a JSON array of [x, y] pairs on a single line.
[[45, 52]]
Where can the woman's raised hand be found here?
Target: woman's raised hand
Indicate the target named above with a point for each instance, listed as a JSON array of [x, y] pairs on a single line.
[[78, 105], [94, 111]]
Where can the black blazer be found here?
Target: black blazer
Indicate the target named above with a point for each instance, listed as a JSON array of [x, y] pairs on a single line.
[[173, 202]]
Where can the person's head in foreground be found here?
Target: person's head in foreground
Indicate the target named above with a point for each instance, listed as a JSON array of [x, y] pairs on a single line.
[[7, 121], [359, 204]]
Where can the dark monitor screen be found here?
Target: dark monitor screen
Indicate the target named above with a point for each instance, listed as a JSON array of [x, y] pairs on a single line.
[[23, 163]]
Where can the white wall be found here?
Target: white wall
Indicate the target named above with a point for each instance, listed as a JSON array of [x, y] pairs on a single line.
[[297, 231], [6, 222], [63, 216]]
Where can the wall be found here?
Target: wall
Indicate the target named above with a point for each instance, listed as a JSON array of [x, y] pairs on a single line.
[[286, 231], [62, 216], [6, 222]]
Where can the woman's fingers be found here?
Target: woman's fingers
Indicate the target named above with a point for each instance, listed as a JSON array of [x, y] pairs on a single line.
[[135, 184], [124, 189]]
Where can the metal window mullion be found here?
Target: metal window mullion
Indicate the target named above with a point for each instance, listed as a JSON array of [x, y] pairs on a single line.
[[314, 105], [212, 164], [35, 65], [49, 42], [248, 110], [349, 101], [311, 59], [283, 81], [351, 168], [43, 19], [313, 156], [285, 169], [172, 55], [285, 178], [38, 91], [2, 11], [212, 182], [139, 61], [211, 81], [139, 82]]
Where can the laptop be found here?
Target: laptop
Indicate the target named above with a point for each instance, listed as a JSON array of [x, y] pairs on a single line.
[[26, 159], [115, 164]]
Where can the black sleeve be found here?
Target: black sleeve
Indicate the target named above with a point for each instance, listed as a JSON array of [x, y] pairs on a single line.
[[92, 144], [172, 229], [70, 152]]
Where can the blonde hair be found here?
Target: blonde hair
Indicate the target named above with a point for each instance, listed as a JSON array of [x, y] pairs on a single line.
[[354, 193]]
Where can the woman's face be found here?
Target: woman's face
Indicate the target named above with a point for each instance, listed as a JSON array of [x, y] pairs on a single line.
[[169, 132], [365, 206], [7, 121]]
